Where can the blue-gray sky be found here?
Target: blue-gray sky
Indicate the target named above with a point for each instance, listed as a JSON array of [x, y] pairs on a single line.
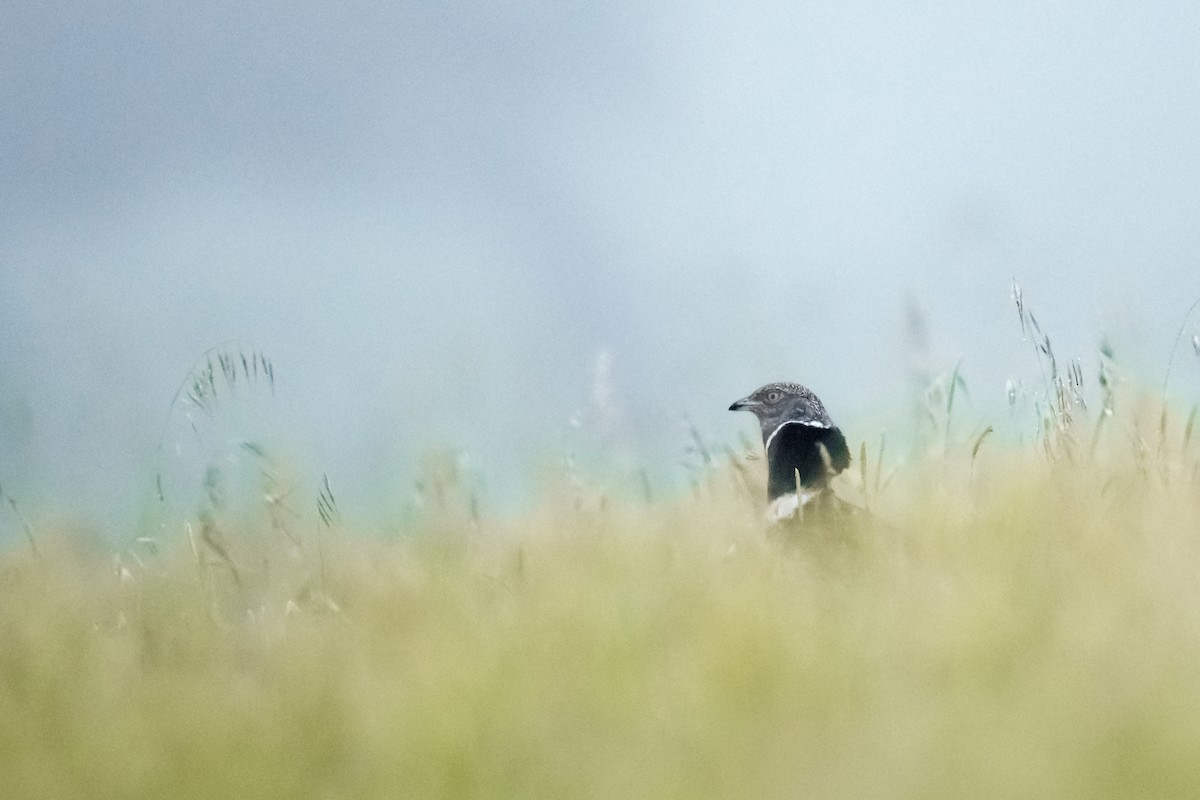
[[436, 216]]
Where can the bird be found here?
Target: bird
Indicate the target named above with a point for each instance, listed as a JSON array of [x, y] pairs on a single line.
[[805, 450]]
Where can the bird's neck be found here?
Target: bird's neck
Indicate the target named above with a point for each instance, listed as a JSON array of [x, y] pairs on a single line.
[[781, 480], [794, 461]]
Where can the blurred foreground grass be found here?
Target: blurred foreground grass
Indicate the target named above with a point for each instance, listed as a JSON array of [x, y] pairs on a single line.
[[1018, 627]]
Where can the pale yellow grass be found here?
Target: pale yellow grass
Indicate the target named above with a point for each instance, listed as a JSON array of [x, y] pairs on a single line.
[[1012, 628]]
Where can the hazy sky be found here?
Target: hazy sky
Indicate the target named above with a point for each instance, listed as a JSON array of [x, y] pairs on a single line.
[[435, 217]]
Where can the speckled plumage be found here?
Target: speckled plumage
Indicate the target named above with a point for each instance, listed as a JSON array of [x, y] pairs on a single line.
[[795, 429]]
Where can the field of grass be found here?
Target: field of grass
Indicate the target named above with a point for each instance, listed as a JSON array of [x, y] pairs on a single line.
[[1000, 619], [1018, 622]]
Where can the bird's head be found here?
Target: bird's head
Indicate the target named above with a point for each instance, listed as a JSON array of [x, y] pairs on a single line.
[[778, 403], [804, 448]]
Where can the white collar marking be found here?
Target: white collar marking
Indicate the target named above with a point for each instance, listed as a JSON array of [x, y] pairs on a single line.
[[771, 438]]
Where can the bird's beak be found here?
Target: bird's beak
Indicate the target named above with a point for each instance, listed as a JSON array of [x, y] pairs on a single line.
[[745, 404]]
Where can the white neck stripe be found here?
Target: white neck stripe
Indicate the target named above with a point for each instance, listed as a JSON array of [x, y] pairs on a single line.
[[775, 432]]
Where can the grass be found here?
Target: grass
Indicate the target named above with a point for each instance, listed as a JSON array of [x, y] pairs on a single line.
[[1019, 627], [1009, 620]]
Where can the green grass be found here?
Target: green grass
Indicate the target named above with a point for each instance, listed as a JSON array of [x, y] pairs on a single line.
[[1017, 627]]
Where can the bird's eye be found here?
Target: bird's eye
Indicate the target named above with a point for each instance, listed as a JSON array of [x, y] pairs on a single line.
[[773, 397]]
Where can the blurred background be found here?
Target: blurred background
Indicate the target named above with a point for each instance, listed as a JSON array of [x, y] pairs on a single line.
[[526, 230]]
